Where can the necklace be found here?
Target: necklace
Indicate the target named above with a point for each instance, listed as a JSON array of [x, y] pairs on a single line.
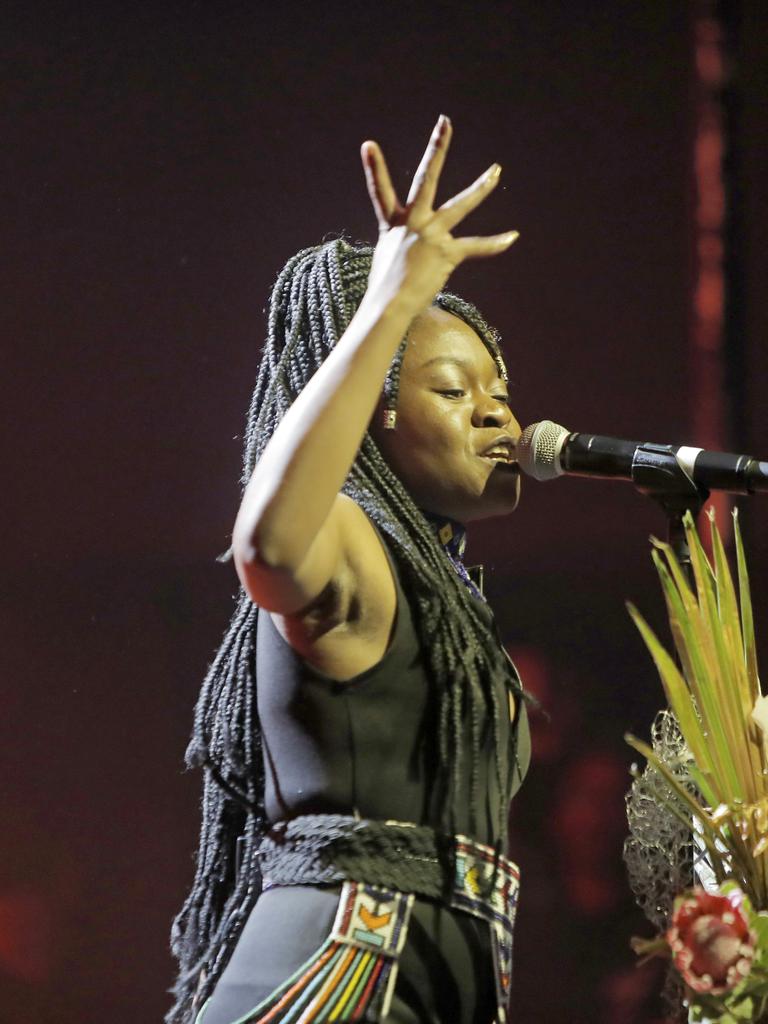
[[452, 537]]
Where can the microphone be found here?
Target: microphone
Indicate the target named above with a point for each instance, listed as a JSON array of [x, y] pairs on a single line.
[[546, 450]]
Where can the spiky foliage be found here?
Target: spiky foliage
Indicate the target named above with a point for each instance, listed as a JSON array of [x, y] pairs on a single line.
[[716, 698]]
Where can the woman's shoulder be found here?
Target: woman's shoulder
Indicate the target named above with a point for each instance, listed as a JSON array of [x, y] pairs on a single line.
[[348, 627]]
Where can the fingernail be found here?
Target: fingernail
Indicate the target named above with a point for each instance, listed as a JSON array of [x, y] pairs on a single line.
[[512, 236], [493, 171], [442, 123]]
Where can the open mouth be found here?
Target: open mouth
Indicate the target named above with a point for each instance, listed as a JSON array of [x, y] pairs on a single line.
[[501, 460], [506, 465]]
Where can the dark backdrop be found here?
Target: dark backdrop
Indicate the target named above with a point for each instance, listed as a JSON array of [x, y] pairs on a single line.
[[159, 164]]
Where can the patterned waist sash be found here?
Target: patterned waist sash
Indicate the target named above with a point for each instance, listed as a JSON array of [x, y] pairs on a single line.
[[382, 867]]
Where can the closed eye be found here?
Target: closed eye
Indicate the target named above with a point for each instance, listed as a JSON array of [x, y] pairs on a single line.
[[460, 393]]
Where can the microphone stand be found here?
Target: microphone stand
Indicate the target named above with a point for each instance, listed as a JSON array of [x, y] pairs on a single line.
[[657, 473]]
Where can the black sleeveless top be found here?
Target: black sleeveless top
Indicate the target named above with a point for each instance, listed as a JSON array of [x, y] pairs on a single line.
[[368, 746]]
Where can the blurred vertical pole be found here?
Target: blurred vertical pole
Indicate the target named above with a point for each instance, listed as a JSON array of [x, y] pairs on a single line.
[[716, 307], [716, 347]]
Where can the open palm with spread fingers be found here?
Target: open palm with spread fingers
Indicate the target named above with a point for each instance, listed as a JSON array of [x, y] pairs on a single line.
[[416, 252]]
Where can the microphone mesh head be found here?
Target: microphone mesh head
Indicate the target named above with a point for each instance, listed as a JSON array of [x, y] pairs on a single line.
[[538, 449]]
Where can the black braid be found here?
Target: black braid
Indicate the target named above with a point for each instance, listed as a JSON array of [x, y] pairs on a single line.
[[312, 302]]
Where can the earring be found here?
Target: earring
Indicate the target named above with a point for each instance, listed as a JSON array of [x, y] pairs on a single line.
[[389, 419]]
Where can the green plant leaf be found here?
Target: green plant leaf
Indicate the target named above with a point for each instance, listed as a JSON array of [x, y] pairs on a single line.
[[678, 695], [703, 783], [760, 923], [731, 737], [694, 640], [745, 601]]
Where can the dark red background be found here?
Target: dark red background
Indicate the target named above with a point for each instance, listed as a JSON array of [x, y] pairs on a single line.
[[159, 164]]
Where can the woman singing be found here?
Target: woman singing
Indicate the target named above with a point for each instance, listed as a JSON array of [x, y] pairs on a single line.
[[361, 728]]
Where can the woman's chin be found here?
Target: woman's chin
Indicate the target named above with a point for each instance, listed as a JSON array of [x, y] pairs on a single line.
[[503, 489], [500, 498]]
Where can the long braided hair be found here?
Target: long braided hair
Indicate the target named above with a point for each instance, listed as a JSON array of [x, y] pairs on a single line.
[[313, 301]]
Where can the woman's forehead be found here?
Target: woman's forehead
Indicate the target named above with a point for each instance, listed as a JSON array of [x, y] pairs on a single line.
[[437, 338]]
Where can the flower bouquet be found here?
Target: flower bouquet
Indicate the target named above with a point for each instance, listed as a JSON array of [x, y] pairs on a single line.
[[700, 808]]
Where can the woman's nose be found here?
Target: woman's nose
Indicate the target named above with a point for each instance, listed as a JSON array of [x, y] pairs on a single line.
[[492, 413]]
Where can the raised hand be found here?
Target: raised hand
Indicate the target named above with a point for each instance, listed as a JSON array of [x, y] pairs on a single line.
[[416, 252]]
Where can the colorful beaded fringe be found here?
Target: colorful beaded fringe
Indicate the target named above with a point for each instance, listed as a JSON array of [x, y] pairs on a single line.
[[352, 975], [475, 871]]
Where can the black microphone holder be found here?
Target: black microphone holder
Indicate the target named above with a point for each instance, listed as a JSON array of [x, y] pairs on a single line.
[[657, 473]]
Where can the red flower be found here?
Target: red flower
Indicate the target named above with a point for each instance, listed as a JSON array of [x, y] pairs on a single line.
[[711, 941]]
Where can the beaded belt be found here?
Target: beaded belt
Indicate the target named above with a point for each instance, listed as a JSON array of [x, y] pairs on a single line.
[[382, 867]]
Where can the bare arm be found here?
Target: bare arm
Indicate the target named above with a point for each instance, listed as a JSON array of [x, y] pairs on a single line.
[[290, 534]]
